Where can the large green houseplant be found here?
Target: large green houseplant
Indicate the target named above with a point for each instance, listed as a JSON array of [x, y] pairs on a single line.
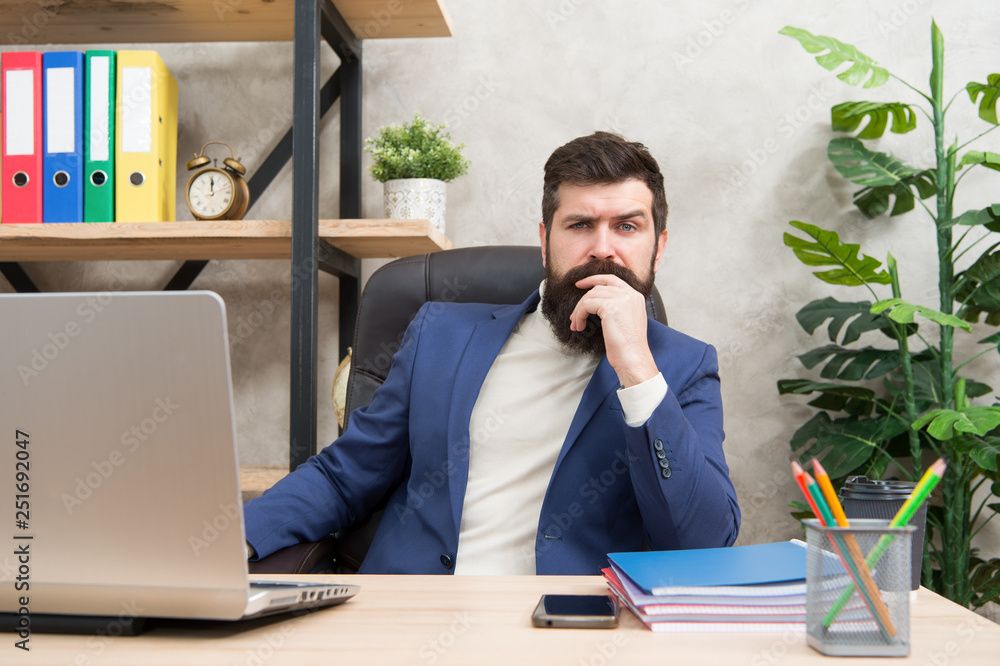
[[898, 404]]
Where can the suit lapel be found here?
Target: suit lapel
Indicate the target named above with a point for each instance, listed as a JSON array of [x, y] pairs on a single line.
[[481, 349], [602, 383]]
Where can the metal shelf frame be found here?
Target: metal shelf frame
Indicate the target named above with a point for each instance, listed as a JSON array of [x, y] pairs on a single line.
[[316, 21]]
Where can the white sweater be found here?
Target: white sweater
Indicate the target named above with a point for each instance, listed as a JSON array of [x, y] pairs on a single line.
[[518, 426]]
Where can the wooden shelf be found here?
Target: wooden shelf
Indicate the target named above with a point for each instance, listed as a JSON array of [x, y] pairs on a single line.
[[138, 21], [243, 239]]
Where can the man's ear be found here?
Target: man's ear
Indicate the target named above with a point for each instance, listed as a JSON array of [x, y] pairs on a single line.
[[541, 238], [661, 244]]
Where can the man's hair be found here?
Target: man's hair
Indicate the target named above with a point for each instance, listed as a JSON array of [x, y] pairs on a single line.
[[602, 158]]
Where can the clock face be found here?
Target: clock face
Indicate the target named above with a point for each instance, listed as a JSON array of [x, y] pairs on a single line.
[[211, 194]]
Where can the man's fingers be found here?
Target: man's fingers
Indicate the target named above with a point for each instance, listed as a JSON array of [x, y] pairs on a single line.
[[600, 278]]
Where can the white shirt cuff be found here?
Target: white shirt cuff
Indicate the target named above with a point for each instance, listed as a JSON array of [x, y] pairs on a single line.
[[640, 401]]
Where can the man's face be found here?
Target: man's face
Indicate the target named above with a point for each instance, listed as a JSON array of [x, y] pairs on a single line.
[[605, 228]]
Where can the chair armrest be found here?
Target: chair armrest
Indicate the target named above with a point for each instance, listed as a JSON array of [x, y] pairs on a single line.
[[312, 557]]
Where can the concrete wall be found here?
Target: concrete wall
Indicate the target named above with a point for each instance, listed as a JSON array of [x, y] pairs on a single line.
[[737, 115]]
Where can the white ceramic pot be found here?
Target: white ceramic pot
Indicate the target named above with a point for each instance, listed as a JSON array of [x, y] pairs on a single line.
[[416, 198]]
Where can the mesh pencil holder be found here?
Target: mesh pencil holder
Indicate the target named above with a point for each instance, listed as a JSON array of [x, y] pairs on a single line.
[[858, 588]]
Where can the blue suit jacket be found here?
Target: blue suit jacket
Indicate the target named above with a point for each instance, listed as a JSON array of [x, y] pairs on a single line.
[[610, 489]]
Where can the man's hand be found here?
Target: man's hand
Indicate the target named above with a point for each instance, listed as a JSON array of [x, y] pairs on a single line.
[[622, 310]]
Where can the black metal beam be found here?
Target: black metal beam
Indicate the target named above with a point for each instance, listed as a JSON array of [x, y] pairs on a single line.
[[305, 229], [186, 275], [336, 262], [350, 189], [18, 279], [338, 34], [282, 151]]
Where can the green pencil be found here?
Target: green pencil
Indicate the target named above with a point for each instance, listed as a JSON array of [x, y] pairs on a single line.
[[902, 518]]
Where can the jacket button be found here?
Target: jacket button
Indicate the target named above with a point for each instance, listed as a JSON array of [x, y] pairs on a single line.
[[661, 454], [665, 464], [658, 445], [665, 472], [447, 561]]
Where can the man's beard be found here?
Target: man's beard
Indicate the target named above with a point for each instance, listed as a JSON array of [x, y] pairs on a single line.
[[562, 295]]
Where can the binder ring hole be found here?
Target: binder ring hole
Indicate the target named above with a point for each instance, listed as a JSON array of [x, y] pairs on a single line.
[[60, 178], [136, 178], [98, 178], [20, 179]]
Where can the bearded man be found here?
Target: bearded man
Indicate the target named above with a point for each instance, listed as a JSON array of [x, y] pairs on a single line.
[[609, 434]]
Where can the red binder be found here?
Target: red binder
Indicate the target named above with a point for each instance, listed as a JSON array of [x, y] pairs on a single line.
[[21, 153]]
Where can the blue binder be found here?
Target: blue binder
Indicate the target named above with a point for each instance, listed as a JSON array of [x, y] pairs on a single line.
[[658, 571], [62, 136]]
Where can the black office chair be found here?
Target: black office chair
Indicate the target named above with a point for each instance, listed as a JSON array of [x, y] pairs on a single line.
[[392, 295]]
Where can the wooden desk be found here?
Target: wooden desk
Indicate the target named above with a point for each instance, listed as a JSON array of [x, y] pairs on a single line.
[[485, 620]]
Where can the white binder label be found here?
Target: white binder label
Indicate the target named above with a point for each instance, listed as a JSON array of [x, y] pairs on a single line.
[[137, 109], [100, 77], [60, 105], [20, 112]]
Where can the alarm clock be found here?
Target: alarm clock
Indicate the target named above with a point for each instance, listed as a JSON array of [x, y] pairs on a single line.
[[215, 193]]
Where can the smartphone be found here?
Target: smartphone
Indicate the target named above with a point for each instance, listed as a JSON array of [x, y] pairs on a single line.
[[580, 611]]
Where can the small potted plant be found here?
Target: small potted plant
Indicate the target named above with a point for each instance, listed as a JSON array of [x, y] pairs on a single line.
[[414, 162]]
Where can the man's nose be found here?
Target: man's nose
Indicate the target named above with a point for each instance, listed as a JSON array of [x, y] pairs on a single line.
[[601, 246]]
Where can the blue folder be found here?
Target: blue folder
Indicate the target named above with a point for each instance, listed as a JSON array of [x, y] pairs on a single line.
[[779, 562], [62, 136]]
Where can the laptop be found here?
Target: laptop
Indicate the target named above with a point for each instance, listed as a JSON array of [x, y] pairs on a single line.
[[119, 446]]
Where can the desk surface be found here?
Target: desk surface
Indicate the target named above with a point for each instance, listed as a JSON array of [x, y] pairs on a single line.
[[484, 620]]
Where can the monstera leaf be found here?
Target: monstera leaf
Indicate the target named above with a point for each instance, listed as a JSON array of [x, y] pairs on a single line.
[[945, 424], [987, 159], [874, 201], [979, 289], [992, 340], [842, 445], [882, 175], [851, 364], [826, 249], [858, 313], [927, 382], [832, 53], [989, 217], [986, 453], [847, 116], [902, 312], [991, 95], [855, 400]]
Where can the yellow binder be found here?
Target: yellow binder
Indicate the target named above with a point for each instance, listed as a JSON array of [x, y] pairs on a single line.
[[145, 139]]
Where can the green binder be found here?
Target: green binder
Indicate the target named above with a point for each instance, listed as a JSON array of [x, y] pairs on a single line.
[[99, 137]]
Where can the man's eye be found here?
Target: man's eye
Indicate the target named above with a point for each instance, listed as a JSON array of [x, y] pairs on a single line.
[[626, 224], [574, 226]]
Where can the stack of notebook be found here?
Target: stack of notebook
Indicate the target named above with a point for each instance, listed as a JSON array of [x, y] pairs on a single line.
[[743, 588]]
